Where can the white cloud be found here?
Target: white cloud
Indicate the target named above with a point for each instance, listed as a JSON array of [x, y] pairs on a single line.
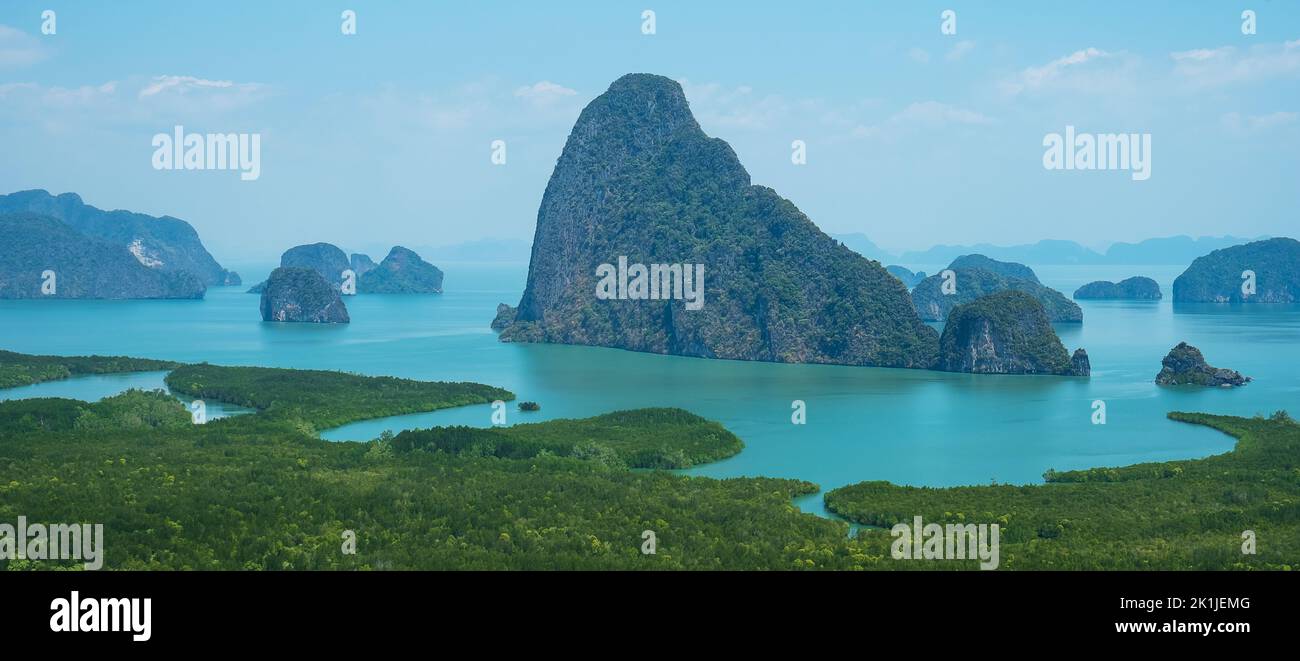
[[190, 95], [919, 55], [1053, 72], [19, 49], [1201, 54], [1213, 67], [960, 49], [544, 92], [187, 84]]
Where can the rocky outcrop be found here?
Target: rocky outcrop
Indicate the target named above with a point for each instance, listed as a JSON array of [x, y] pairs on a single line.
[[1079, 363], [361, 263], [639, 183], [43, 257], [162, 243], [1184, 365], [301, 294], [1007, 332], [401, 272], [1136, 288], [505, 317], [971, 283], [909, 278], [1221, 276]]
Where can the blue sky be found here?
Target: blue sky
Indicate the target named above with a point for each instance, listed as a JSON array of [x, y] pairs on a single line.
[[913, 137]]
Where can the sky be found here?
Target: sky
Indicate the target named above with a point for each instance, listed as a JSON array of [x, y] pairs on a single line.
[[913, 137]]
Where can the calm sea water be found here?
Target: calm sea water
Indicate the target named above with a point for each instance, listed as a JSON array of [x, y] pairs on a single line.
[[905, 426]]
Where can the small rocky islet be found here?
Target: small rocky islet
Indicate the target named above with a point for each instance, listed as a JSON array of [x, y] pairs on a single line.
[[1185, 365], [1137, 288], [299, 294]]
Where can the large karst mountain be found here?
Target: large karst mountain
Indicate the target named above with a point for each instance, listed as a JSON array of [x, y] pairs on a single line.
[[639, 179]]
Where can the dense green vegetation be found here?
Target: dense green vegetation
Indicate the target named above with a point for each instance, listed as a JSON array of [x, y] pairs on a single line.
[[321, 399], [17, 369], [644, 438], [262, 491], [1136, 288], [1006, 332], [82, 266], [170, 242], [1170, 515], [1218, 276]]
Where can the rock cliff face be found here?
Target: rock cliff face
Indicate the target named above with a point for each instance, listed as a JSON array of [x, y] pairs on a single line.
[[639, 182], [1186, 366], [505, 316], [977, 276], [361, 263], [1218, 276], [401, 272], [1006, 333], [42, 257], [1079, 363], [1136, 288], [166, 244], [302, 295]]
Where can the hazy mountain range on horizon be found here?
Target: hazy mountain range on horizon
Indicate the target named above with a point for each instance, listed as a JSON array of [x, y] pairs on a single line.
[[1177, 250]]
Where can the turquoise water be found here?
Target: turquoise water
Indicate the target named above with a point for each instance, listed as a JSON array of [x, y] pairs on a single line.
[[905, 426]]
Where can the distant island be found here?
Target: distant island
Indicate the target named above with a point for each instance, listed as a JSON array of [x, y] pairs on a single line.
[[1155, 251], [639, 183], [401, 272], [42, 257], [1260, 272], [1006, 332], [1137, 288], [93, 253], [326, 259], [361, 263], [909, 278], [976, 276]]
